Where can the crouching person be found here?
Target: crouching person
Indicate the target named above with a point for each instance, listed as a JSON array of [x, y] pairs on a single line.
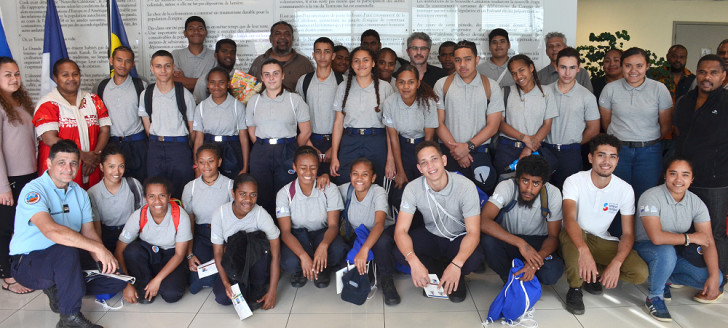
[[153, 244], [229, 223], [523, 220]]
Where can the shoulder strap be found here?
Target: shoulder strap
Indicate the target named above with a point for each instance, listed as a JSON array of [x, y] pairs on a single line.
[[486, 86], [293, 108], [235, 110], [143, 218], [138, 85], [339, 78], [306, 82], [192, 193], [446, 86], [349, 192], [292, 191], [545, 212], [135, 191], [175, 216], [202, 109], [179, 92], [148, 94], [101, 87], [508, 207]]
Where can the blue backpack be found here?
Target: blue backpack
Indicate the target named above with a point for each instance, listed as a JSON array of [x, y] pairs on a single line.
[[516, 300]]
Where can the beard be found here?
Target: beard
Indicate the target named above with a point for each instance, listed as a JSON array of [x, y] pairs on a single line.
[[526, 203]]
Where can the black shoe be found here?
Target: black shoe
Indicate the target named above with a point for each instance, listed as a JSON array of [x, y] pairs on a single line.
[[574, 302], [52, 293], [594, 288], [298, 280], [460, 294], [76, 320], [391, 297], [323, 280], [255, 305]]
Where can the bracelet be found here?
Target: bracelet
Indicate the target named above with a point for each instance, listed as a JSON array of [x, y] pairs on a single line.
[[687, 240], [190, 256], [408, 254], [457, 266]]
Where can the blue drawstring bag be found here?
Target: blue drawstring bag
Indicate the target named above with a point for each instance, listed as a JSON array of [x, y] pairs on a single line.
[[361, 233], [516, 300]]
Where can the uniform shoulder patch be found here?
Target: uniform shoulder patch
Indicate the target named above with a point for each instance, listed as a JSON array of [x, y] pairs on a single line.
[[32, 198]]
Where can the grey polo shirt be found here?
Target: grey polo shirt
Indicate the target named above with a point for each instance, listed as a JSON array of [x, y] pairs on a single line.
[[163, 235], [194, 66], [466, 106], [409, 121], [526, 112], [320, 98], [363, 212], [225, 223], [493, 71], [575, 107], [444, 212], [113, 209], [122, 104], [166, 118], [309, 212], [548, 75], [201, 200], [524, 220], [225, 119], [200, 91], [675, 217], [635, 111], [278, 117], [360, 104]]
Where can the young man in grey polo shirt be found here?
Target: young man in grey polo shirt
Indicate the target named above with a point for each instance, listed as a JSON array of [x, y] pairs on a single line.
[[468, 118], [517, 225], [496, 67], [450, 207], [195, 60], [555, 42]]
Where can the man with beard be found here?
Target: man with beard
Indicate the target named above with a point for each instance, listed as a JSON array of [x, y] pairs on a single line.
[[225, 57], [294, 64], [418, 50], [592, 198], [700, 120], [514, 227], [681, 77]]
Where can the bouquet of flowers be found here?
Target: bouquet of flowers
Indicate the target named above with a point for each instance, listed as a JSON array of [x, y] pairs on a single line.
[[243, 86]]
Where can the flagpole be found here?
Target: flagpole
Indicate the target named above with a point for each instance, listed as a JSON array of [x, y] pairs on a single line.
[[108, 21]]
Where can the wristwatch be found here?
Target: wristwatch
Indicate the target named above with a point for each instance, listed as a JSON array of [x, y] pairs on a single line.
[[471, 145]]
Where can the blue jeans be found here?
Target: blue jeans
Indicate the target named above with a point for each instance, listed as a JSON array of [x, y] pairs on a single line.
[[666, 265]]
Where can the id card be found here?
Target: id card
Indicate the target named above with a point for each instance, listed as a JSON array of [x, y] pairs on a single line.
[[431, 290], [207, 269]]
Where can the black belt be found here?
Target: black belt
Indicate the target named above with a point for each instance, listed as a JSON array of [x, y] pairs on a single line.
[[411, 141], [639, 144], [321, 137], [364, 132], [214, 138], [167, 139], [510, 142], [560, 147], [134, 137], [276, 141], [112, 227]]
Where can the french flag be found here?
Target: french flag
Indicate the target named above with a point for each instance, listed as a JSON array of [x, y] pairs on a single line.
[[54, 48]]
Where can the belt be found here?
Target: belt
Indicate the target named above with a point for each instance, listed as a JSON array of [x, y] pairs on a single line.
[[205, 225], [214, 138], [411, 141], [134, 137], [276, 141], [639, 144], [320, 137], [364, 132], [560, 147], [480, 149], [510, 142], [167, 139], [112, 227]]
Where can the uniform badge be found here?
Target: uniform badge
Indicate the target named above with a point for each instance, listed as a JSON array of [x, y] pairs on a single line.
[[32, 198], [155, 249], [291, 171]]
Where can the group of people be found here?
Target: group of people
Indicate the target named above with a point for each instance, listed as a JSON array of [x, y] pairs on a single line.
[[318, 145]]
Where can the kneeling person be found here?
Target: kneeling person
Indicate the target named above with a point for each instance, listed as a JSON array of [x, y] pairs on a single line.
[[153, 245], [523, 220]]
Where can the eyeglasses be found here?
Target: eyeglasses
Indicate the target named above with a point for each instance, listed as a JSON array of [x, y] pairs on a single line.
[[415, 48]]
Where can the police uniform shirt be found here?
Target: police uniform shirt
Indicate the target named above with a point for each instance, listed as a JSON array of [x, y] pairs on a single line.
[[635, 111], [675, 217], [575, 108], [226, 119], [166, 118], [548, 75], [444, 212], [225, 223], [466, 105], [524, 220], [70, 208], [363, 212], [527, 111], [194, 66], [320, 99], [163, 235], [308, 212], [278, 117], [122, 104], [493, 71], [409, 121], [113, 210], [360, 104], [201, 200], [596, 207]]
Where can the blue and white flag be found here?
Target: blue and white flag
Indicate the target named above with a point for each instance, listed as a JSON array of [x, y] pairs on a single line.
[[54, 48], [4, 47]]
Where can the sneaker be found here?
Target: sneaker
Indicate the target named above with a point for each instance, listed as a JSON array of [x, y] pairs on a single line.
[[594, 288], [667, 295], [676, 286], [700, 298], [76, 320], [460, 294], [657, 309], [574, 302], [391, 297], [298, 280], [52, 298], [323, 280]]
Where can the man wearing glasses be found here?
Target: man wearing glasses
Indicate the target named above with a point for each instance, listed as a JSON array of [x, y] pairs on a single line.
[[418, 50]]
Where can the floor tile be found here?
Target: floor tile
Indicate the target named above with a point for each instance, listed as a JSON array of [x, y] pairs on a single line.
[[207, 320], [188, 304], [284, 300], [331, 320], [485, 288], [4, 314], [433, 319], [88, 304], [413, 301], [700, 315], [626, 316], [545, 318], [11, 301], [310, 299], [114, 319], [41, 319]]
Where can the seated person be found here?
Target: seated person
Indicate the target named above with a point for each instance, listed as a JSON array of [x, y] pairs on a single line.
[[243, 214], [308, 216], [153, 245], [365, 203], [519, 223], [592, 256], [450, 208], [673, 235]]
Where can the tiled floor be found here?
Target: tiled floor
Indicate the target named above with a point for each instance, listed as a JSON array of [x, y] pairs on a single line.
[[322, 308]]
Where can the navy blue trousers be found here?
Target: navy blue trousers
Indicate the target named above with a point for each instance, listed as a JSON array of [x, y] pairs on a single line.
[[501, 254], [434, 250], [7, 221], [202, 248], [323, 146], [135, 156], [272, 166], [232, 157], [172, 160], [353, 146], [144, 264], [480, 171], [309, 241], [109, 236], [569, 163]]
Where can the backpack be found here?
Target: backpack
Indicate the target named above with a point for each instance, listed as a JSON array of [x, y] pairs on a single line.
[[136, 191], [545, 212], [516, 300], [345, 229], [451, 77], [175, 216], [138, 85], [179, 92], [309, 76]]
